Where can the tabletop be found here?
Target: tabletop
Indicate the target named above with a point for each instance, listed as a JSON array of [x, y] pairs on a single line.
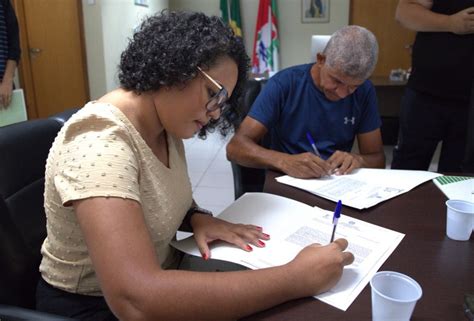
[[443, 267]]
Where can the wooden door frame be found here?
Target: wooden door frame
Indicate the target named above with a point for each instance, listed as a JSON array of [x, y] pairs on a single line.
[[24, 68]]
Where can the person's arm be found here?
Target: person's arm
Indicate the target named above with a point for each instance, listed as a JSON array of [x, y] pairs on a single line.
[[13, 55], [13, 33], [244, 149], [371, 149], [136, 288], [6, 87], [417, 15], [371, 155]]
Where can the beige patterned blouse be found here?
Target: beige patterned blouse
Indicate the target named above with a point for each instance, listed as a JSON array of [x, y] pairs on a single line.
[[99, 152]]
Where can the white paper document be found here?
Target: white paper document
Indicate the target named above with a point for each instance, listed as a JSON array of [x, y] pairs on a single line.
[[456, 187], [363, 188], [293, 225], [16, 111]]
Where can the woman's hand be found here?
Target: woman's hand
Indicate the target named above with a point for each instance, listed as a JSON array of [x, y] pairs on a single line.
[[207, 229], [318, 268]]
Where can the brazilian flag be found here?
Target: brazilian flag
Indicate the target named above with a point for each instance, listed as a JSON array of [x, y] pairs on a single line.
[[230, 10]]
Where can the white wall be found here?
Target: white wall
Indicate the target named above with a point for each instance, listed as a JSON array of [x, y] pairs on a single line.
[[94, 43], [295, 36], [108, 24]]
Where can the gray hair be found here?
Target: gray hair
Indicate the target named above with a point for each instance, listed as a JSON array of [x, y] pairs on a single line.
[[352, 50]]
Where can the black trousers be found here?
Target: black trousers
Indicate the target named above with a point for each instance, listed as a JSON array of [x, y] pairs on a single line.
[[468, 164], [82, 307], [424, 122]]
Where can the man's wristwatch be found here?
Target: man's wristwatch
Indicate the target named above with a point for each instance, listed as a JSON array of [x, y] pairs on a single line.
[[197, 209]]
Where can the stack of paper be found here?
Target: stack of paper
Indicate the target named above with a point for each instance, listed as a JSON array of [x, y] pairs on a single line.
[[294, 225], [456, 187]]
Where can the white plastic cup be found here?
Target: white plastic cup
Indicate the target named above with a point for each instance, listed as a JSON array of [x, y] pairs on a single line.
[[459, 219], [394, 296]]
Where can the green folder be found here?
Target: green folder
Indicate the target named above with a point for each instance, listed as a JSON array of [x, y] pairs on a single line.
[[16, 112], [456, 187]]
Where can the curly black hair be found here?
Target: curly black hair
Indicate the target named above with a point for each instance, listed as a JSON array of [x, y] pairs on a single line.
[[169, 46]]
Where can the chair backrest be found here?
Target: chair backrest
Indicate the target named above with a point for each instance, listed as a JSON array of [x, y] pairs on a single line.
[[248, 179], [318, 43], [251, 91], [24, 148]]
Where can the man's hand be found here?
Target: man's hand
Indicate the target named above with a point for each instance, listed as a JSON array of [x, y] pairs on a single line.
[[462, 22], [5, 94], [306, 165], [342, 163]]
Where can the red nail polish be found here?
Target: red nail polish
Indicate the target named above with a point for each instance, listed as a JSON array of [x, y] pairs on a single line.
[[266, 235], [259, 228], [205, 256], [249, 248], [261, 243]]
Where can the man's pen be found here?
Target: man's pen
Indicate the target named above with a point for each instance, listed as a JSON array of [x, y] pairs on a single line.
[[335, 218], [313, 145]]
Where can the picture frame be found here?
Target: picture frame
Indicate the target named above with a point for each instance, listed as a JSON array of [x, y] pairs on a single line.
[[314, 11], [143, 3]]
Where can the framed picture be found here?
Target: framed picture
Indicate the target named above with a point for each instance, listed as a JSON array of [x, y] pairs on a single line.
[[314, 11], [143, 3]]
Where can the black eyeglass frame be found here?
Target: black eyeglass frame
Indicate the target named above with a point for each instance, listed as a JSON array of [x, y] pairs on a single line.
[[219, 100]]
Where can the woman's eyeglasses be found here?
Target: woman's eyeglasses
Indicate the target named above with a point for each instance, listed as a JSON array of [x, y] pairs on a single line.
[[218, 100]]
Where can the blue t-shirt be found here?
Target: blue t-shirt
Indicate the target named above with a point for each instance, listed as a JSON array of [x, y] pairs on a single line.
[[290, 105]]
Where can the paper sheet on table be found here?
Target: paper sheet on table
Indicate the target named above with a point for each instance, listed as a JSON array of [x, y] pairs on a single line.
[[292, 225], [456, 187], [363, 188]]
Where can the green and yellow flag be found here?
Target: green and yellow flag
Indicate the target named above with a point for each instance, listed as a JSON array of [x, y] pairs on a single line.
[[230, 11]]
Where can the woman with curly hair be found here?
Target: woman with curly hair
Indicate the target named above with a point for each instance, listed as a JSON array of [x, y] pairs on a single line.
[[117, 190]]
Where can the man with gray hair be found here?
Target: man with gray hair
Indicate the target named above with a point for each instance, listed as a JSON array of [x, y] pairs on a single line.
[[313, 113]]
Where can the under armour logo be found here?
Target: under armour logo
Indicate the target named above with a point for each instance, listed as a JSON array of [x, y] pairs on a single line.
[[349, 120]]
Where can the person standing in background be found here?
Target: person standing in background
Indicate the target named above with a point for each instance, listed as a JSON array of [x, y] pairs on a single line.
[[468, 163], [9, 51], [435, 105]]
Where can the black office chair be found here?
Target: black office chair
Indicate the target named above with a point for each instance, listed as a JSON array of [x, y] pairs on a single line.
[[248, 179], [24, 148]]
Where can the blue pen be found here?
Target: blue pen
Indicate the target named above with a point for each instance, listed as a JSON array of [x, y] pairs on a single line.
[[311, 142], [335, 218]]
